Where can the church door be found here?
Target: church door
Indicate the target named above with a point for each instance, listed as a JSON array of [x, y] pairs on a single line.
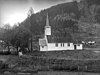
[[75, 47]]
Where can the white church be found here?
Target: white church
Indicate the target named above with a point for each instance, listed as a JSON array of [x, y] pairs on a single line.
[[46, 45]]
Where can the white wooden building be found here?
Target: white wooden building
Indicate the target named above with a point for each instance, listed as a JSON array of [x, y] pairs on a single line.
[[46, 45]]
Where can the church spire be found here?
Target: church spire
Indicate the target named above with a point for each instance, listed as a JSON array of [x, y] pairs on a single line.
[[47, 20]]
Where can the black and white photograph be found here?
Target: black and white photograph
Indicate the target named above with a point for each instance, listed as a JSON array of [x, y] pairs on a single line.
[[49, 37]]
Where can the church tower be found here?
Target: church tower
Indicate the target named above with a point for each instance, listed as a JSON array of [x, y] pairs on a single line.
[[47, 27]]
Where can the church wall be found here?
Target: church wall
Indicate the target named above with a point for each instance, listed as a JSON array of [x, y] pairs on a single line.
[[70, 47], [60, 46]]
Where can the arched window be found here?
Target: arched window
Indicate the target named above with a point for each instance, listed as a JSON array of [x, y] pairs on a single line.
[[68, 44], [63, 44], [42, 46]]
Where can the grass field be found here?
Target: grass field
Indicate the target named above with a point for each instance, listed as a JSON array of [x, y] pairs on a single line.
[[53, 73], [81, 54], [55, 61]]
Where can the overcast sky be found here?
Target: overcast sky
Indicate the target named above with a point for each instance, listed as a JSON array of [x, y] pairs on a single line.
[[13, 11]]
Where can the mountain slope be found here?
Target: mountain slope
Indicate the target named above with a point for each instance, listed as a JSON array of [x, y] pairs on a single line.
[[67, 28]]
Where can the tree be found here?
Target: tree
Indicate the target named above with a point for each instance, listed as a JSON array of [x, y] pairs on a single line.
[[30, 21], [7, 35], [21, 37]]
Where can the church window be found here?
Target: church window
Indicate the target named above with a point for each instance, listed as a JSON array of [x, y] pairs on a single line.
[[42, 46], [68, 44], [78, 44], [56, 44], [63, 44]]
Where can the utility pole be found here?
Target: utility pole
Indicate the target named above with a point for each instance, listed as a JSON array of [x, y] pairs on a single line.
[[30, 20]]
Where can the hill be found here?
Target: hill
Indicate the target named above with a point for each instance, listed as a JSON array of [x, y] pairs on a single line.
[[73, 21]]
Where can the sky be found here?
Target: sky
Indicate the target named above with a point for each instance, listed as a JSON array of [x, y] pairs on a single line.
[[14, 11]]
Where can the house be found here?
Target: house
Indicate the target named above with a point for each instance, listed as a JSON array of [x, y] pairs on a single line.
[[46, 43]]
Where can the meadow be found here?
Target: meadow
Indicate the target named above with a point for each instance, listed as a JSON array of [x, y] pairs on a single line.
[[56, 62]]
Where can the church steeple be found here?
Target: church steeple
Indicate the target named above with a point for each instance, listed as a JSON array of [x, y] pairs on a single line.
[[47, 21], [47, 27]]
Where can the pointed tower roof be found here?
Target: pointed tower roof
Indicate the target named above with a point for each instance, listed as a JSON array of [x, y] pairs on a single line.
[[47, 21]]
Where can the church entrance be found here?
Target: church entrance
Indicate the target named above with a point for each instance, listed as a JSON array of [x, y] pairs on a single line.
[[75, 47]]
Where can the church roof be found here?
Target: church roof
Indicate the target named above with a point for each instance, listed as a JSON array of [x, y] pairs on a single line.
[[61, 39], [52, 39], [42, 42]]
